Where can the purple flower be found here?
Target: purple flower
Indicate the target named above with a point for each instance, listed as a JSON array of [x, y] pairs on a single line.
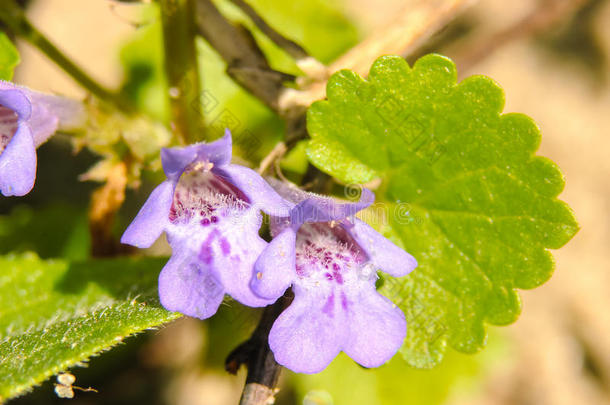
[[330, 258], [27, 120], [210, 211]]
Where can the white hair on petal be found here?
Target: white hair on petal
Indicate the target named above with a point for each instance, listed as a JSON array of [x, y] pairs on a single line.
[[201, 195]]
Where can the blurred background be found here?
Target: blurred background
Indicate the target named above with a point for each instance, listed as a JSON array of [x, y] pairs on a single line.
[[552, 57]]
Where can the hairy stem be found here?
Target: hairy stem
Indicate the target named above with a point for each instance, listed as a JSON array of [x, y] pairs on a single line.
[[181, 69], [13, 17], [263, 370]]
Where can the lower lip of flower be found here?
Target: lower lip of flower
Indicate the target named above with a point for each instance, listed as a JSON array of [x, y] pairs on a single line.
[[325, 253]]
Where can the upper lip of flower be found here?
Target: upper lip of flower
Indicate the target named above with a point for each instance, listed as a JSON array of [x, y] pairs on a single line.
[[38, 117], [207, 156]]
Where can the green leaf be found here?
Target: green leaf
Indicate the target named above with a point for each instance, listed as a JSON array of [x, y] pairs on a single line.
[[462, 191], [9, 57], [57, 314]]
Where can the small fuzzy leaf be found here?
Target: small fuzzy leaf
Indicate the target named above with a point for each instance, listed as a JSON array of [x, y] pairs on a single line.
[[462, 189], [56, 314]]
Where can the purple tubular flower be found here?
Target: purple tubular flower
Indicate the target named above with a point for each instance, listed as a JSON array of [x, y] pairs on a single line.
[[27, 120], [210, 211], [330, 258]]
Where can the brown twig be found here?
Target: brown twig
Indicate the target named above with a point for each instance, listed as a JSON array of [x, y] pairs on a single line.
[[313, 69], [263, 370], [276, 153], [292, 48]]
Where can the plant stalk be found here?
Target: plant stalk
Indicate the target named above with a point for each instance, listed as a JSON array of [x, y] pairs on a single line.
[[263, 370], [182, 69]]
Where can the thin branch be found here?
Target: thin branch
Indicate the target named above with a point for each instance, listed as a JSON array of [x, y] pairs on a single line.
[[276, 153], [263, 370], [181, 68], [13, 16], [313, 69], [412, 27], [292, 48], [246, 63]]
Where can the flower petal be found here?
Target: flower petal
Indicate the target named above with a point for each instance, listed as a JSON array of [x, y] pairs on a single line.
[[45, 113], [304, 338], [324, 209], [232, 249], [18, 163], [152, 218], [383, 253], [70, 113], [188, 287], [258, 191], [175, 160], [42, 122], [377, 327], [275, 268], [50, 113], [15, 99]]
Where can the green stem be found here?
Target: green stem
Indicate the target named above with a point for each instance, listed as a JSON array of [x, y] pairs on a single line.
[[12, 15], [181, 68]]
